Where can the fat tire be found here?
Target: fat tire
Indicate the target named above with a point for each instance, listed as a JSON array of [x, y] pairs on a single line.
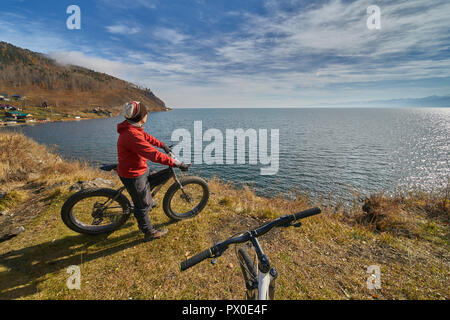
[[67, 217], [175, 187], [249, 272]]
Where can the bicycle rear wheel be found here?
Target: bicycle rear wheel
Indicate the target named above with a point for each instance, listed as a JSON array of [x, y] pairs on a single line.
[[93, 211], [181, 204]]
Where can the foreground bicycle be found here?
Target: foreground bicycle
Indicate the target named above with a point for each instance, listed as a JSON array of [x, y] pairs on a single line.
[[259, 276], [103, 210]]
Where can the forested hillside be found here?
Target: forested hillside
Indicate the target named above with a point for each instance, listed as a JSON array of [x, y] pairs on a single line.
[[40, 78]]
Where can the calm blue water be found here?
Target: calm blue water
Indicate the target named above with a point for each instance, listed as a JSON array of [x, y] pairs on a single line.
[[322, 151]]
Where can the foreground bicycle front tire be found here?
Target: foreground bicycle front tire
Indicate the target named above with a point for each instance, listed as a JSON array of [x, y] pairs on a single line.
[[71, 221], [250, 274], [171, 196]]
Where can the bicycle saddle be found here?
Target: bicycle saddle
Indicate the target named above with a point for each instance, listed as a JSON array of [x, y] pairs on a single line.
[[108, 167]]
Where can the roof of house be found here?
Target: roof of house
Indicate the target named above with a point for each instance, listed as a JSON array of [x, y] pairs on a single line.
[[18, 113]]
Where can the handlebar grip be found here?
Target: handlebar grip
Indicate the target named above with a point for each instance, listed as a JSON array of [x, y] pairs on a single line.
[[306, 213], [196, 259]]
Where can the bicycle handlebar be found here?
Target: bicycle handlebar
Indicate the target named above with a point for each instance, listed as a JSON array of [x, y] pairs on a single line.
[[196, 259], [220, 247], [306, 213]]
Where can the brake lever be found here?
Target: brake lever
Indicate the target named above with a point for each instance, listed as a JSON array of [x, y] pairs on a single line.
[[217, 255], [290, 224]]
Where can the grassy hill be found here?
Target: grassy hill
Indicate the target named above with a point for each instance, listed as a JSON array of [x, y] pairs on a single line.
[[327, 258], [67, 88]]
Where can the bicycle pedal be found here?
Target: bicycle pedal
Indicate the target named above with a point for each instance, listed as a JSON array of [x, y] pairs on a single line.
[[214, 261]]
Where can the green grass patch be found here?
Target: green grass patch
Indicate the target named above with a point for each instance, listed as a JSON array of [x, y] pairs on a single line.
[[12, 199]]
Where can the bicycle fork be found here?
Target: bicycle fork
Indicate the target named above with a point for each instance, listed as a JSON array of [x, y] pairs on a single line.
[[266, 273], [185, 196]]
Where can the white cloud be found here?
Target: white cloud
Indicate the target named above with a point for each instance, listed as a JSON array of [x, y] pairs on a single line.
[[115, 68], [169, 35], [126, 4], [122, 29], [340, 28]]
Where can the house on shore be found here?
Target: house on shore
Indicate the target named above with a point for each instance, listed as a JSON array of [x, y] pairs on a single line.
[[99, 111], [17, 115], [17, 97]]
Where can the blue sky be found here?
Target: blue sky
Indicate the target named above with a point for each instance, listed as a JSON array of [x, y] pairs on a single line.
[[264, 53]]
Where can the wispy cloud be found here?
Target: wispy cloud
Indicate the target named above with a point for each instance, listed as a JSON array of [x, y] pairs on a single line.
[[77, 58], [336, 33], [169, 35], [126, 4], [122, 29], [18, 29]]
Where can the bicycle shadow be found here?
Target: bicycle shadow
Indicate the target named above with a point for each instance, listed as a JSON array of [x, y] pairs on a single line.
[[23, 268]]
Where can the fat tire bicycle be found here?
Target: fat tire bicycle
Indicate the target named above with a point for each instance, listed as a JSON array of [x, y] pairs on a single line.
[[96, 211], [259, 275]]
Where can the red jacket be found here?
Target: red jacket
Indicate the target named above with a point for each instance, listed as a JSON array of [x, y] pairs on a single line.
[[134, 147]]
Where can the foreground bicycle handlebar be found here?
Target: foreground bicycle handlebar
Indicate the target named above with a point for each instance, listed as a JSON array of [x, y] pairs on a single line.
[[219, 248]]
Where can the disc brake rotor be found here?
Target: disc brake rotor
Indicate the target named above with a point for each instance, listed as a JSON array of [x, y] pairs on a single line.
[[186, 197], [97, 214]]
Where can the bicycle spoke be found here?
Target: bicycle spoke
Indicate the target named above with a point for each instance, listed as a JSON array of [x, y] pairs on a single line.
[[91, 211], [186, 200]]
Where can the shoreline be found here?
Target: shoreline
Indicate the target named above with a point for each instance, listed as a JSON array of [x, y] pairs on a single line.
[[4, 123]]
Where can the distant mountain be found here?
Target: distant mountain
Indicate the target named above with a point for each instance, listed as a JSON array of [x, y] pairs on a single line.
[[431, 101], [427, 102], [40, 78]]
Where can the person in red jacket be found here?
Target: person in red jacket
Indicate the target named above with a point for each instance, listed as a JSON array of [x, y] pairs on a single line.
[[134, 148]]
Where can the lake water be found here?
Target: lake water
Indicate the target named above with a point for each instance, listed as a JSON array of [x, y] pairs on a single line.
[[321, 151]]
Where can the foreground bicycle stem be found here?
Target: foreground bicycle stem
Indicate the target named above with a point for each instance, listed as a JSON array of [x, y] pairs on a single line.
[[266, 274]]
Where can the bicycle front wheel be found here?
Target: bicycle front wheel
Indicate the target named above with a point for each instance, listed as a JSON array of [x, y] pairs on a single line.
[[95, 211], [186, 203], [250, 274]]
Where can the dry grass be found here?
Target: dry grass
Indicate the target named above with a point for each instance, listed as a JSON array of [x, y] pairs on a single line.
[[327, 258], [24, 160], [11, 199], [403, 215]]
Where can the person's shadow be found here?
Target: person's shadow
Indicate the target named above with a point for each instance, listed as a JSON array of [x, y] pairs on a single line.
[[23, 268]]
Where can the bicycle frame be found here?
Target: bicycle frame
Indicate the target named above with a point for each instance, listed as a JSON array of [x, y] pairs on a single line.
[[154, 190], [265, 280]]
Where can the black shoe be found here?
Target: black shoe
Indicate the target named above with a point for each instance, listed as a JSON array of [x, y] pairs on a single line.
[[155, 234]]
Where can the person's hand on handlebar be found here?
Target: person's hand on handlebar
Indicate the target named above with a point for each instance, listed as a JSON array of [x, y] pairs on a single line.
[[167, 149], [183, 167]]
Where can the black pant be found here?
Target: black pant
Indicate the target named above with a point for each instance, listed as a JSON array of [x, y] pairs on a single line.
[[139, 189]]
